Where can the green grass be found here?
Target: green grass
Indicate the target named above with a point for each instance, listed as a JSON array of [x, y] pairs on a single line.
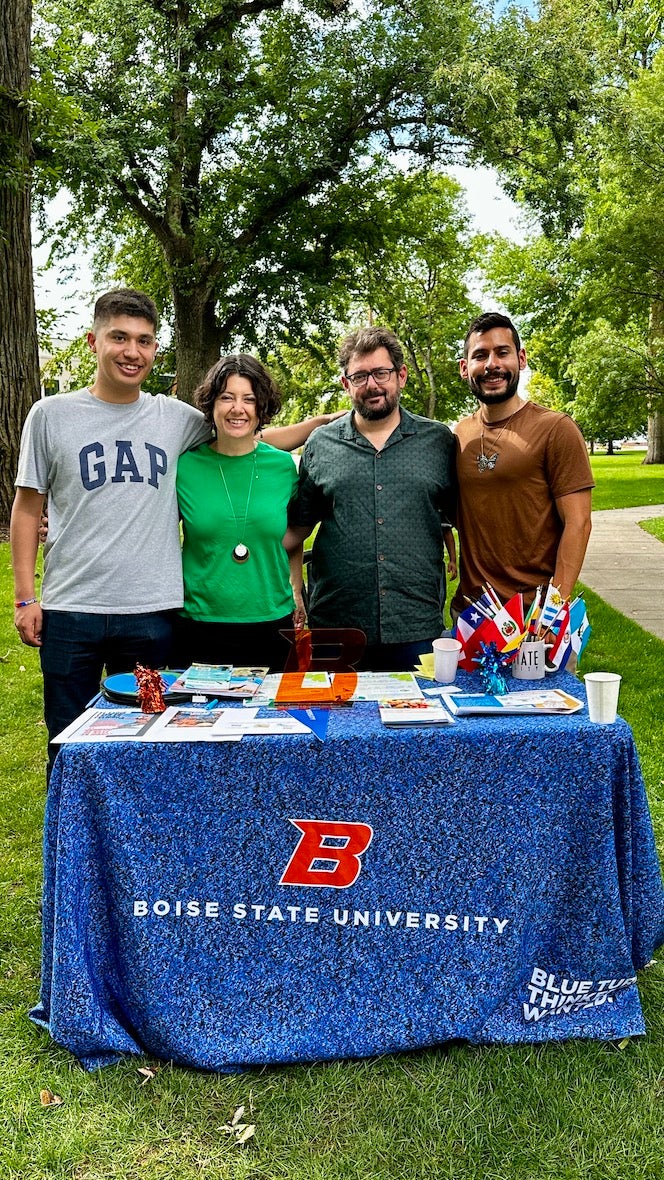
[[654, 526], [573, 1111], [624, 481]]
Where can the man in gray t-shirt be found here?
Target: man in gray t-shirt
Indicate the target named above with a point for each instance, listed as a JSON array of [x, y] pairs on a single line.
[[106, 458]]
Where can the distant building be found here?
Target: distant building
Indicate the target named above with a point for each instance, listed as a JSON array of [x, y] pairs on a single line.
[[60, 380]]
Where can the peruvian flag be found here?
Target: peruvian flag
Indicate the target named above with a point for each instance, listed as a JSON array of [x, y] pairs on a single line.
[[509, 621]]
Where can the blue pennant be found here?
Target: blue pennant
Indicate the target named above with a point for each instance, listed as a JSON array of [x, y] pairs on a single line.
[[317, 720]]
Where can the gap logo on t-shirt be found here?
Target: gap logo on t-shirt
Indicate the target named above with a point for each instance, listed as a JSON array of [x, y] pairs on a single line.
[[121, 465]]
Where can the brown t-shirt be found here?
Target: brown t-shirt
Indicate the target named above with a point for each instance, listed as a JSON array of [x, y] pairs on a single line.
[[509, 527]]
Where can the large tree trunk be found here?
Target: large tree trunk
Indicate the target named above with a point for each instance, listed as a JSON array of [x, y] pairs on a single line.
[[19, 355], [197, 340], [655, 452]]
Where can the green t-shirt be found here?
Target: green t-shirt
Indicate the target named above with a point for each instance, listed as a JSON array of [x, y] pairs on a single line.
[[257, 490]]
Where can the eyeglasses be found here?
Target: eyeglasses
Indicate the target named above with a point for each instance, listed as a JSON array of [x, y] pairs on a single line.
[[379, 376]]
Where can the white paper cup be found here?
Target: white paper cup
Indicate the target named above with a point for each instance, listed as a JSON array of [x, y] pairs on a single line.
[[530, 662], [445, 660], [602, 690]]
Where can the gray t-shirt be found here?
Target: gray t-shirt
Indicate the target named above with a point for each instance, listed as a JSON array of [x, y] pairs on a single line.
[[113, 540]]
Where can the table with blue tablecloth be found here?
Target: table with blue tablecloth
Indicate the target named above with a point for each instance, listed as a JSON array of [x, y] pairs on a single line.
[[290, 899]]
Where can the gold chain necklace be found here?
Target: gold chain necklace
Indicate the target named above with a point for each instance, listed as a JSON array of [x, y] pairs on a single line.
[[488, 462], [240, 551]]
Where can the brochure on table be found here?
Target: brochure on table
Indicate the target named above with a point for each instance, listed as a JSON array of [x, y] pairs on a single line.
[[177, 724], [107, 725], [530, 702], [401, 713], [224, 681], [188, 723], [371, 686]]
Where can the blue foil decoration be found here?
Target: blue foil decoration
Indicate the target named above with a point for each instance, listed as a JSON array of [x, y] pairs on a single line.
[[489, 666]]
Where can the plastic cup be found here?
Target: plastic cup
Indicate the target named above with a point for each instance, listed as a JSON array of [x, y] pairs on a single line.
[[530, 662], [602, 689], [445, 660]]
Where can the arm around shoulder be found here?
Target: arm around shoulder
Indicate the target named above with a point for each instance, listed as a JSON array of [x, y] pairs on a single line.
[[289, 438]]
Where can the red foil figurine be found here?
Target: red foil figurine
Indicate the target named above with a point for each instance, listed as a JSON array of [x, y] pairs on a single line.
[[151, 689]]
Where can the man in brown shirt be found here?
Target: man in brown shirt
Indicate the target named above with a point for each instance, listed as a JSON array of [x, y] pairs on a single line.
[[524, 477]]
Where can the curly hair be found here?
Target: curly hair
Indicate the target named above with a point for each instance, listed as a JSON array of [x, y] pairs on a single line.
[[368, 340], [268, 397]]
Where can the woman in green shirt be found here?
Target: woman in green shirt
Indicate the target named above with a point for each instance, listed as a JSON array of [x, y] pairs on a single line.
[[240, 586]]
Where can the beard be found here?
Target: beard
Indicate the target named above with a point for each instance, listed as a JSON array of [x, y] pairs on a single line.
[[495, 399], [375, 413]]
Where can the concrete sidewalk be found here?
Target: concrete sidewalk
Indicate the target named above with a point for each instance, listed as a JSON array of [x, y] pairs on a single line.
[[625, 565]]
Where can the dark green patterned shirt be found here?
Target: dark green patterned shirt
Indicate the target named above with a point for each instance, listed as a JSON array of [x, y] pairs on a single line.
[[378, 556]]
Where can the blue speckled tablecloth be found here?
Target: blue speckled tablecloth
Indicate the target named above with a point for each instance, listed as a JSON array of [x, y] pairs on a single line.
[[507, 887]]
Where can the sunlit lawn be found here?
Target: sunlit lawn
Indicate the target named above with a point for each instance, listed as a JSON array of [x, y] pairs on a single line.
[[624, 481], [574, 1111]]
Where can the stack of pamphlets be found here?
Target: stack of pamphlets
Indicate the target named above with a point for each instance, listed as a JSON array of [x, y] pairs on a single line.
[[400, 713], [221, 680], [292, 687], [530, 702]]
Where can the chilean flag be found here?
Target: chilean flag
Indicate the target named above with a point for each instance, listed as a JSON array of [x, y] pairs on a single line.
[[505, 629]]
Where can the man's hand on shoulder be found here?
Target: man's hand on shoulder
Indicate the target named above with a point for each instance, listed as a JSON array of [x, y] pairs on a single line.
[[325, 418]]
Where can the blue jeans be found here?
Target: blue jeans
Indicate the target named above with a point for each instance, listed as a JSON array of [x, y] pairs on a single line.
[[76, 648]]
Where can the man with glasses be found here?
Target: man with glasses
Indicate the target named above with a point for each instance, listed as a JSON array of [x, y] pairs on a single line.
[[382, 483]]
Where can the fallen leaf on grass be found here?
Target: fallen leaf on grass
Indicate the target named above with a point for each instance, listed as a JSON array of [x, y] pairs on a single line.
[[624, 1043], [48, 1098], [240, 1131]]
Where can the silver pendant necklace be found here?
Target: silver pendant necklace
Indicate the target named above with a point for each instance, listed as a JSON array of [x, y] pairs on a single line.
[[240, 552], [488, 462]]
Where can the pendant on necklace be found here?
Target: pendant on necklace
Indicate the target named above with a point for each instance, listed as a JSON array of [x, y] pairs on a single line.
[[486, 462], [240, 553]]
